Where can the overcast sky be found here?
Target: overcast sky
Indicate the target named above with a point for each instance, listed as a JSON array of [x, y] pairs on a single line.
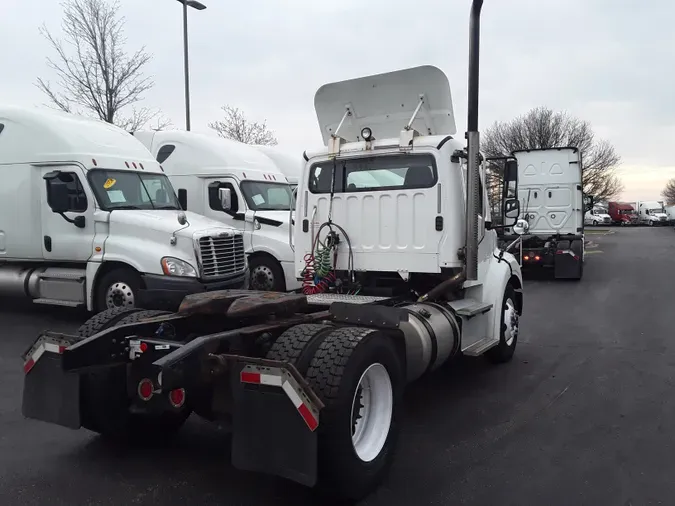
[[606, 61]]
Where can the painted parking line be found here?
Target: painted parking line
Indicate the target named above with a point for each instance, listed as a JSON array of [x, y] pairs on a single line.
[[593, 252]]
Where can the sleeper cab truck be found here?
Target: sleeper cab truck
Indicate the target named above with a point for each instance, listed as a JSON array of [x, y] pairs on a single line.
[[88, 218]]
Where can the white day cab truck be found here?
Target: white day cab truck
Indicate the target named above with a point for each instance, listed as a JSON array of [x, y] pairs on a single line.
[[88, 218], [402, 275], [553, 205], [258, 202], [651, 213]]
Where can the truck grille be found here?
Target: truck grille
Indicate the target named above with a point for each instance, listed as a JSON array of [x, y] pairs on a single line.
[[607, 220], [221, 256]]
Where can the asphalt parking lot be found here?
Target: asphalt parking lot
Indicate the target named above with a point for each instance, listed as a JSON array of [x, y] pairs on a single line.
[[584, 415]]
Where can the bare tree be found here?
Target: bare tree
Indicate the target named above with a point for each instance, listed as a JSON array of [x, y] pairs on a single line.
[[668, 192], [95, 75], [235, 126], [543, 128]]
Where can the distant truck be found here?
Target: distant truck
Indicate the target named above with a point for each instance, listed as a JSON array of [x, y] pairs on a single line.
[[89, 219], [651, 213], [670, 212], [597, 216], [551, 197], [623, 213]]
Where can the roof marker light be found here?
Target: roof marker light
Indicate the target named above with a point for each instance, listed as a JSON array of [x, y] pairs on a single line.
[[127, 164], [93, 161]]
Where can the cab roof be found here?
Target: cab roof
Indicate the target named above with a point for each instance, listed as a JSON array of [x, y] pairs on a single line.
[[209, 153], [34, 135]]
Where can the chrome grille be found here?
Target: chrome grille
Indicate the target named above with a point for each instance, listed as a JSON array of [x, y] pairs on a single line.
[[221, 256]]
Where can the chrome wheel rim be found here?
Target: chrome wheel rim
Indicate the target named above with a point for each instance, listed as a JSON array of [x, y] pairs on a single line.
[[119, 294], [510, 322], [262, 278]]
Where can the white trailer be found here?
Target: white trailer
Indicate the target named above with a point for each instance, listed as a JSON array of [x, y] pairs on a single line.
[[396, 239], [199, 166], [651, 212], [670, 213], [88, 218], [552, 203]]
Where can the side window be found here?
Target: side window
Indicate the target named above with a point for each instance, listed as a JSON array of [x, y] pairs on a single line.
[[214, 200], [164, 152], [73, 187]]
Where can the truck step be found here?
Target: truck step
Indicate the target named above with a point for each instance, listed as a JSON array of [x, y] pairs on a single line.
[[480, 347], [469, 307], [56, 302], [326, 299], [63, 273]]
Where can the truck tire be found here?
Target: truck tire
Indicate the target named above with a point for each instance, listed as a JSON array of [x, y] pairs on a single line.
[[266, 274], [103, 320], [298, 344], [508, 334], [105, 402], [117, 288], [359, 426]]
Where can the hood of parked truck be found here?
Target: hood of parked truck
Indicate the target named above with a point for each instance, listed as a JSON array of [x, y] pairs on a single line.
[[272, 218], [165, 221]]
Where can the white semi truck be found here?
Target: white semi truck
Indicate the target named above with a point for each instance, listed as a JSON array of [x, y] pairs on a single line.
[[552, 203], [88, 218], [199, 166], [401, 277], [651, 213], [290, 165]]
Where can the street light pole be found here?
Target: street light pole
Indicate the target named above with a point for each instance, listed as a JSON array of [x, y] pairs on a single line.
[[200, 7]]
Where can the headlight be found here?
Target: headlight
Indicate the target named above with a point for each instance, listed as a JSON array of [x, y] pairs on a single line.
[[175, 267]]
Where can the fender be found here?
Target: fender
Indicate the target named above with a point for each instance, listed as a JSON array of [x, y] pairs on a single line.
[[498, 276]]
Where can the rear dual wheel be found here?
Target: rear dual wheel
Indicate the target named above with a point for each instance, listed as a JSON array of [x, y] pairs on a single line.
[[359, 376]]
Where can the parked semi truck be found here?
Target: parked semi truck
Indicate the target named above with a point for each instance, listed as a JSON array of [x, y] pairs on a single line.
[[651, 213], [401, 275], [553, 204], [597, 216], [623, 213], [200, 166], [290, 165], [88, 218], [670, 213]]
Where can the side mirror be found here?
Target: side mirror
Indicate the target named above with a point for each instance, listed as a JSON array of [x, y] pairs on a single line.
[[225, 196], [511, 209], [521, 227], [511, 171], [57, 196], [589, 202]]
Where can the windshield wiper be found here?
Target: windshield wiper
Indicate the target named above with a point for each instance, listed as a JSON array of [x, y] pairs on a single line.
[[171, 208], [124, 208]]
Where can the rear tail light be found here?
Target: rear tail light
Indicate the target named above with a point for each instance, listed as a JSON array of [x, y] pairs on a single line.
[[145, 389], [177, 397]]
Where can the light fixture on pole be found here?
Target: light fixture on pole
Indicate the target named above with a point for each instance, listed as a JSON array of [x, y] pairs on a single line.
[[200, 7]]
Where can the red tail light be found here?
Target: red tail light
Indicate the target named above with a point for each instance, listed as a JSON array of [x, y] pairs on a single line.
[[177, 397], [145, 389]]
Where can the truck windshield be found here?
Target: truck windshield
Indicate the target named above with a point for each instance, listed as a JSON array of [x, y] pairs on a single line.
[[126, 189], [262, 196], [626, 211], [654, 211]]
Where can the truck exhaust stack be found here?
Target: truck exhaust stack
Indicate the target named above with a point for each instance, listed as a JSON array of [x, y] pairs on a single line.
[[473, 146]]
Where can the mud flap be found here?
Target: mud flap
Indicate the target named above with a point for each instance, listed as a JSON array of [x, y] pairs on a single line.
[[51, 394], [567, 263], [271, 434]]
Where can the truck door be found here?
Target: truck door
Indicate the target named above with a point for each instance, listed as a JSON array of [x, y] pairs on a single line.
[[66, 236], [239, 216]]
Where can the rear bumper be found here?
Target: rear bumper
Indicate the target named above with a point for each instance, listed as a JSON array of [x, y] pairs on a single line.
[[166, 292]]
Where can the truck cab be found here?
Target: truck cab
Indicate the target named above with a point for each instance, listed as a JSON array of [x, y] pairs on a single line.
[[622, 213], [597, 216], [260, 202], [652, 213], [290, 165], [88, 218]]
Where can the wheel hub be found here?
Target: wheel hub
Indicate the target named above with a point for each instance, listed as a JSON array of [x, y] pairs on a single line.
[[262, 278], [119, 295], [511, 322], [372, 411]]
